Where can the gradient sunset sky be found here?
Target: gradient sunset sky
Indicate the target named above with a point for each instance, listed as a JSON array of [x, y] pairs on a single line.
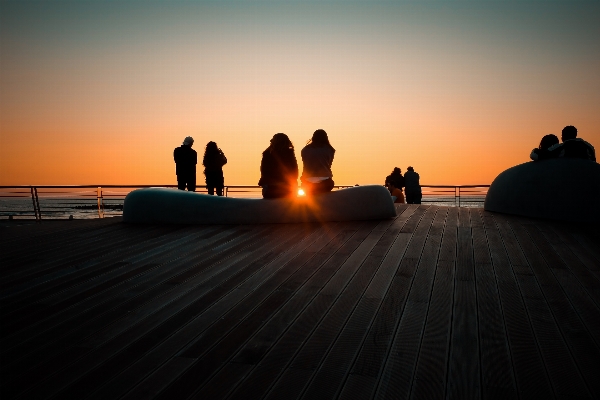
[[101, 92]]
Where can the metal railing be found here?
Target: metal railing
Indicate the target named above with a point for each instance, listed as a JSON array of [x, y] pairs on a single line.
[[99, 201]]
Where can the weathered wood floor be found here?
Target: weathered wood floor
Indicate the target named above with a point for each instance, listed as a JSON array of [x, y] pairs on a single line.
[[438, 302]]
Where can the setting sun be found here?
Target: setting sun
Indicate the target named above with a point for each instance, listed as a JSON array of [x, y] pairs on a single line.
[[301, 192]]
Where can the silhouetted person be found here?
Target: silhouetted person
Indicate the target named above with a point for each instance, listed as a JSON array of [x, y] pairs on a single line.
[[574, 147], [185, 165], [317, 157], [279, 169], [412, 186], [213, 162], [396, 178], [396, 191], [543, 151]]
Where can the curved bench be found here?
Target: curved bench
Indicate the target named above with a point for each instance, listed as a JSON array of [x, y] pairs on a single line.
[[177, 206], [566, 189]]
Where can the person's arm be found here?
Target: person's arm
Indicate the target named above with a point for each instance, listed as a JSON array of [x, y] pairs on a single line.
[[534, 155]]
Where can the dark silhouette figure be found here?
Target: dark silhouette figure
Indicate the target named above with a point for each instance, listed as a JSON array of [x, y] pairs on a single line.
[[185, 165], [279, 169], [412, 186], [543, 151], [213, 162], [574, 147], [396, 178], [396, 191], [317, 157]]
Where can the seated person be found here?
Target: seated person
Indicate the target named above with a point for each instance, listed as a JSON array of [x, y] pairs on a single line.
[[395, 177], [574, 147], [317, 157], [543, 152], [279, 169], [396, 191]]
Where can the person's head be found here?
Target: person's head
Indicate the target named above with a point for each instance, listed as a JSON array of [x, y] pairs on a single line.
[[569, 132], [280, 143], [211, 147], [548, 141], [396, 170], [411, 169], [188, 141], [391, 186], [319, 139]]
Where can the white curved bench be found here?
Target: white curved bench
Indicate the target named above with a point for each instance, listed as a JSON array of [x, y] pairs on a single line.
[[566, 189], [177, 206]]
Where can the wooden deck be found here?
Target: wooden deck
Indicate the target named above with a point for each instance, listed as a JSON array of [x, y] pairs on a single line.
[[438, 302]]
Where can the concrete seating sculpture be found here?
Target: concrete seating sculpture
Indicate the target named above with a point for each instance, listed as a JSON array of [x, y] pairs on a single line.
[[176, 206], [566, 189]]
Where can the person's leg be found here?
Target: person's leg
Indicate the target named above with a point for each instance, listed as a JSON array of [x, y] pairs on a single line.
[[180, 184], [219, 190], [418, 198], [192, 184], [409, 198], [211, 189]]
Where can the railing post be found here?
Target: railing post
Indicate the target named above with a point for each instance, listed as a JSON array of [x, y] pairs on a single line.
[[35, 209], [459, 196], [100, 203]]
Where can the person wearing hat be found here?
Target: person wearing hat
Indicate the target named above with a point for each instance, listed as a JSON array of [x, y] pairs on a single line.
[[185, 165]]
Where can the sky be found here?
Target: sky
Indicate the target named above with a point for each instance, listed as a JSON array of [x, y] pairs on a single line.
[[101, 92]]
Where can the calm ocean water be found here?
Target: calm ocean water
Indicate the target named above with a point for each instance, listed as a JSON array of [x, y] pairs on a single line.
[[87, 208]]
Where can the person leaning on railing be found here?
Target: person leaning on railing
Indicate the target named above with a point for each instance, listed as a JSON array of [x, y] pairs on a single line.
[[213, 162], [185, 165]]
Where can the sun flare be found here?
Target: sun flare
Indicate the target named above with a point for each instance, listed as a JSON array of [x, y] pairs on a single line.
[[301, 192]]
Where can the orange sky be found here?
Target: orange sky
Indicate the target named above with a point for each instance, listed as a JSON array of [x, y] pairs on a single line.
[[103, 96]]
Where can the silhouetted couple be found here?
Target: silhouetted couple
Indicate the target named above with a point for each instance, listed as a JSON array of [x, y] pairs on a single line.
[[571, 147], [279, 168], [185, 166], [410, 181]]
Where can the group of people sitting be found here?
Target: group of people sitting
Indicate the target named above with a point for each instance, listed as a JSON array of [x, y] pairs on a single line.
[[571, 147], [278, 167], [410, 182]]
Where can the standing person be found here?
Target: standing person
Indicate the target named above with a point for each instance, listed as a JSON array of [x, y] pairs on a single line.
[[317, 157], [185, 165], [279, 169], [412, 186], [213, 162], [396, 178]]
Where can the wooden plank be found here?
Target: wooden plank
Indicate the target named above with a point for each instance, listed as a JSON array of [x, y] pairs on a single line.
[[464, 368], [143, 332], [77, 251], [431, 369], [497, 376], [329, 377], [213, 350], [564, 376], [383, 357], [110, 305], [317, 346], [267, 354], [157, 362], [547, 266], [529, 370], [35, 290]]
